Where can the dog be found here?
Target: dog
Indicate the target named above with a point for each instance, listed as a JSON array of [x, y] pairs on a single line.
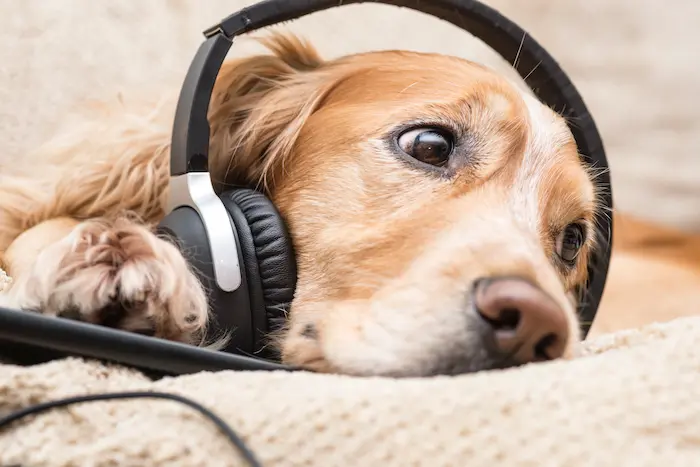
[[441, 215]]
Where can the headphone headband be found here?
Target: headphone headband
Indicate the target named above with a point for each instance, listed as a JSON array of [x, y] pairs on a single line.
[[190, 143]]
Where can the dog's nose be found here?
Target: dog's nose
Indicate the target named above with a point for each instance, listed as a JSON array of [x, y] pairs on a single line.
[[524, 323]]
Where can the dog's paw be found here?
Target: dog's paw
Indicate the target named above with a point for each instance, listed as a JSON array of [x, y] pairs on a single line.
[[120, 275]]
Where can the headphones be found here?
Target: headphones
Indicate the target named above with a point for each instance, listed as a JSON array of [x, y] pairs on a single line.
[[237, 241]]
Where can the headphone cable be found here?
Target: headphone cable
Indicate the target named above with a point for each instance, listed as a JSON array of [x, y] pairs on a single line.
[[218, 421]]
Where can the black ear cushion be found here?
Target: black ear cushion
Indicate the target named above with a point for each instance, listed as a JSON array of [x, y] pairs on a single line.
[[268, 254]]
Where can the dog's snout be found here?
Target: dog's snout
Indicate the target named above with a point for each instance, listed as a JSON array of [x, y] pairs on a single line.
[[524, 324]]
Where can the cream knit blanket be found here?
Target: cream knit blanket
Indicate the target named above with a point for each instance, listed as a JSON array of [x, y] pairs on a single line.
[[630, 399]]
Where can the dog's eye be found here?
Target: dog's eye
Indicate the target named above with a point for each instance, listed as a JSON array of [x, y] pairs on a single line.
[[427, 145], [569, 242]]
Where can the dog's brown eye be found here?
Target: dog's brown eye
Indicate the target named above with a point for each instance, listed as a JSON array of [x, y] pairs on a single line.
[[569, 242], [427, 145]]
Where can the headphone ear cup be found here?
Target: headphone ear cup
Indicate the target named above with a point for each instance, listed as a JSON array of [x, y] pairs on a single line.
[[231, 310], [268, 258]]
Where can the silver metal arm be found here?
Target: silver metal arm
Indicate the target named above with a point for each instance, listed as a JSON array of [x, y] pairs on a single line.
[[196, 191]]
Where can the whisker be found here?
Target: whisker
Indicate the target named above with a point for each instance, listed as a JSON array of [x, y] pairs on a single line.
[[533, 69], [408, 87], [517, 54]]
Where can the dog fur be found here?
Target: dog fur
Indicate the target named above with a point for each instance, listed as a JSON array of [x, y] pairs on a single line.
[[387, 251]]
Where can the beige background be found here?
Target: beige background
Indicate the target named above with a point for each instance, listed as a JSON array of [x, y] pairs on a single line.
[[633, 61]]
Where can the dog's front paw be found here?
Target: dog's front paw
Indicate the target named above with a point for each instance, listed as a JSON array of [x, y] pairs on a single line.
[[118, 274]]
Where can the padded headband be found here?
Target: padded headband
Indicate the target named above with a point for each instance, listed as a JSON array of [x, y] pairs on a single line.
[[190, 143]]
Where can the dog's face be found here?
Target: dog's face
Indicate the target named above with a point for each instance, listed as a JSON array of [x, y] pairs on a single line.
[[442, 218]]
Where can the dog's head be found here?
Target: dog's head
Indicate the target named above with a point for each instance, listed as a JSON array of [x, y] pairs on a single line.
[[442, 217]]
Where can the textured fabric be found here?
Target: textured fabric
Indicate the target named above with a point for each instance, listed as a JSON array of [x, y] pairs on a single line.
[[630, 399]]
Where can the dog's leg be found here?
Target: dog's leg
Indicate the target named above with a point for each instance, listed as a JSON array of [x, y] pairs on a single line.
[[66, 241], [113, 273]]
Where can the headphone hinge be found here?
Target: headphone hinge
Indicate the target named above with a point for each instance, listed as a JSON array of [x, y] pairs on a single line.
[[230, 26], [213, 31]]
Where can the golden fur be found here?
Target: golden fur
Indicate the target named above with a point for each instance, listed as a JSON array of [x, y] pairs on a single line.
[[386, 252]]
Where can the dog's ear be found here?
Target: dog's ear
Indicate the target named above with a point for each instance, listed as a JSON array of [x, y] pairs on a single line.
[[258, 108]]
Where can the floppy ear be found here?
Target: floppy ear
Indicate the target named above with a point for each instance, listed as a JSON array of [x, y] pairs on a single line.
[[258, 108]]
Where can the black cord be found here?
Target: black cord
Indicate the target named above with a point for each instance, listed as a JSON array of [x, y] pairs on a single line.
[[221, 424]]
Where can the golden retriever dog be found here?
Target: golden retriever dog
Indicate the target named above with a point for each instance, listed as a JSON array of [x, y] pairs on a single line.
[[441, 216]]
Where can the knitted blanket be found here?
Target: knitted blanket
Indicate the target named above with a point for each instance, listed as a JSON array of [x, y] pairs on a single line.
[[629, 399]]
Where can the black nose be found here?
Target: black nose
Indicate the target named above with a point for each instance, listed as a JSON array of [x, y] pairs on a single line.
[[523, 323]]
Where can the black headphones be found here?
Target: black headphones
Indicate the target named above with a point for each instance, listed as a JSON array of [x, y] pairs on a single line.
[[238, 242]]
